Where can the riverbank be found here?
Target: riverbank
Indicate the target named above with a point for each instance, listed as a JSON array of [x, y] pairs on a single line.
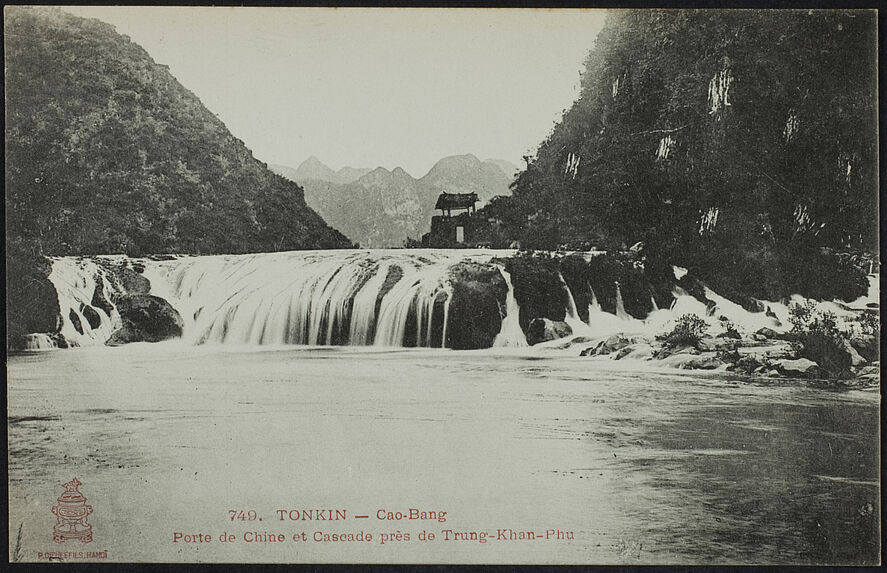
[[759, 357]]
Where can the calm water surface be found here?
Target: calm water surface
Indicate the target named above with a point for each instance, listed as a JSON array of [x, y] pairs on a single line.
[[642, 466]]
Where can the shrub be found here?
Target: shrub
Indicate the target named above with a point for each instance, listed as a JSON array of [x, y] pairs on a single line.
[[688, 331], [730, 330], [800, 316], [817, 337], [870, 323]]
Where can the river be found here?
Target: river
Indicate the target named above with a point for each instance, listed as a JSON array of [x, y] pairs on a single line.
[[640, 465]]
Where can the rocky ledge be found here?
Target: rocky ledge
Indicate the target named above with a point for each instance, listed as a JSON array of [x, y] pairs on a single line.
[[854, 361]]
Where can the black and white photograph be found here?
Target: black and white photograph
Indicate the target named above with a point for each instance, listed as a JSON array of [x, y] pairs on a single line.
[[438, 285]]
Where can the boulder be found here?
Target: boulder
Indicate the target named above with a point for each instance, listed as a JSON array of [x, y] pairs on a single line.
[[704, 362], [538, 288], [767, 333], [692, 360], [867, 347], [611, 344], [545, 329], [99, 300], [799, 368], [639, 351], [710, 344], [91, 316], [32, 304], [855, 358], [145, 318], [668, 350], [869, 375], [75, 321], [126, 278], [750, 304], [475, 315], [748, 364]]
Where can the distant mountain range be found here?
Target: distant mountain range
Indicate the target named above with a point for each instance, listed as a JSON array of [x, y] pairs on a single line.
[[312, 169], [379, 208]]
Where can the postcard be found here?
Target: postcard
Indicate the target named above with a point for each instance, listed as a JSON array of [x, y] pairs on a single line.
[[442, 286]]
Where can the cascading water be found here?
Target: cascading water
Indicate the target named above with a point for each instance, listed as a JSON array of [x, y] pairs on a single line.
[[601, 323], [571, 313], [594, 304], [511, 334], [314, 298], [620, 306], [85, 291], [383, 298], [38, 341]]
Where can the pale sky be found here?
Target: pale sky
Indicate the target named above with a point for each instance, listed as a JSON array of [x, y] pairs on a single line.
[[372, 87]]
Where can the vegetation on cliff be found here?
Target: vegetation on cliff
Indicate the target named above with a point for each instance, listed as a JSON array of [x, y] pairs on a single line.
[[739, 144], [107, 153]]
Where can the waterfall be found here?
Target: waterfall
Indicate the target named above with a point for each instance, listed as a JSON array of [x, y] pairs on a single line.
[[414, 294], [620, 306], [84, 294], [446, 320], [351, 297], [363, 308], [382, 298], [594, 305], [572, 315], [38, 341], [511, 333]]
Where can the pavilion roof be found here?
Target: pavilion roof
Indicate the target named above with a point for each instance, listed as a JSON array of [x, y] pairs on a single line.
[[456, 200]]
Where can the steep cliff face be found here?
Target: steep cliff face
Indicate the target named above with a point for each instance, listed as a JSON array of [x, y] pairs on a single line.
[[736, 141], [107, 153]]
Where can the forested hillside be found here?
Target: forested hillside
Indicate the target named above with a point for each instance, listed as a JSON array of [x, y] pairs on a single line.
[[737, 143], [107, 153]]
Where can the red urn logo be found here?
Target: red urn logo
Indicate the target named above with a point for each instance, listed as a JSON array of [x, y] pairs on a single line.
[[72, 513]]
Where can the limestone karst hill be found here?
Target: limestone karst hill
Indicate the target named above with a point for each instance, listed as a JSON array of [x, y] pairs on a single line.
[[106, 152]]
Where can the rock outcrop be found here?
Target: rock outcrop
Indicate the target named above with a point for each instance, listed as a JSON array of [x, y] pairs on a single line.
[[32, 304], [145, 318], [799, 368], [475, 315], [617, 342], [545, 329]]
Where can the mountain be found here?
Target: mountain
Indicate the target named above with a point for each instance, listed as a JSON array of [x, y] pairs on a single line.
[[738, 143], [312, 169], [507, 167], [383, 208], [465, 174], [349, 174], [106, 152], [380, 209]]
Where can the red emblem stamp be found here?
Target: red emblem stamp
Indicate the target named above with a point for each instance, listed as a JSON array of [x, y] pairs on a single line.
[[72, 513]]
